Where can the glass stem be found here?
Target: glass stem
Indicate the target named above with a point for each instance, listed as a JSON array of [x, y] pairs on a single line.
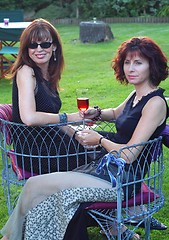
[[83, 123], [83, 120]]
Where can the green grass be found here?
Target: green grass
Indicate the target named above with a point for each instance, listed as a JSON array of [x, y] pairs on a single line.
[[89, 66]]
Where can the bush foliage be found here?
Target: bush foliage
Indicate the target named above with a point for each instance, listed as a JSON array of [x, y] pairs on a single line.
[[84, 9]]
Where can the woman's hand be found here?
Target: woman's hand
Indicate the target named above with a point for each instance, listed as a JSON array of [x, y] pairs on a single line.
[[90, 113], [88, 137], [93, 114]]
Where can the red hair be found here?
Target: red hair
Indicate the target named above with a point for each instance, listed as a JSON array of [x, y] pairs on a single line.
[[147, 48]]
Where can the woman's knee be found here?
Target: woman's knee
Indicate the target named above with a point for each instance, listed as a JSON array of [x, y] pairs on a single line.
[[29, 192], [30, 186], [36, 191]]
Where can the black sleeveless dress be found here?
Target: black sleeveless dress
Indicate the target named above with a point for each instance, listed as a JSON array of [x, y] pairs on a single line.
[[47, 100], [125, 126]]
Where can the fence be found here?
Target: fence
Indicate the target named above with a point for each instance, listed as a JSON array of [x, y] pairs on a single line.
[[116, 20]]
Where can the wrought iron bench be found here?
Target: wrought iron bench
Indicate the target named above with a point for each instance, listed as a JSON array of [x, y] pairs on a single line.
[[105, 214], [18, 143], [137, 210]]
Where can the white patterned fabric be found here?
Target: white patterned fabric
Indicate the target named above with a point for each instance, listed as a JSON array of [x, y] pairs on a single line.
[[49, 219]]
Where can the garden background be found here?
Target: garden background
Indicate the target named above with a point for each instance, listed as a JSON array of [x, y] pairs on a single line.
[[87, 9], [89, 66]]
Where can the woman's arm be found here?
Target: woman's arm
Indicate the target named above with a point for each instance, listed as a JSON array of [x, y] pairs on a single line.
[[26, 83], [107, 114], [146, 126]]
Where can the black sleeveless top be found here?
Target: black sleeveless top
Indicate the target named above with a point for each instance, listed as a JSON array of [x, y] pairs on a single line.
[[128, 120], [55, 143], [47, 99], [125, 126]]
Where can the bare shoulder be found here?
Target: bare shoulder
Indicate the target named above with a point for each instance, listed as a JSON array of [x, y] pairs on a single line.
[[156, 101], [156, 106], [25, 78], [26, 71]]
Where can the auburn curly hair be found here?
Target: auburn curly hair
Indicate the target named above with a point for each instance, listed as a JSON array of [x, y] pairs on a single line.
[[146, 48]]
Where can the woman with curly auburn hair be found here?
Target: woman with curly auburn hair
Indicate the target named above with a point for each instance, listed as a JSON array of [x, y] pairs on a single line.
[[146, 48], [141, 63]]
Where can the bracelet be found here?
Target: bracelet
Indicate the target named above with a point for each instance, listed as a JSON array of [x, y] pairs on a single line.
[[100, 140], [63, 118], [74, 134], [99, 112]]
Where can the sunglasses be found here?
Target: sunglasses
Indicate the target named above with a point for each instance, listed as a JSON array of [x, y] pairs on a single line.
[[44, 45]]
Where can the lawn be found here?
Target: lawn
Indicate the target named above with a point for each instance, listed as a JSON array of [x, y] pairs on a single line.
[[89, 66]]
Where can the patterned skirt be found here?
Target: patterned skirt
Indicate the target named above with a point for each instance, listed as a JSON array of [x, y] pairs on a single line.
[[50, 218]]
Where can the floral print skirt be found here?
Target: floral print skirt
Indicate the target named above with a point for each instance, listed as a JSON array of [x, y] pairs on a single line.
[[49, 219]]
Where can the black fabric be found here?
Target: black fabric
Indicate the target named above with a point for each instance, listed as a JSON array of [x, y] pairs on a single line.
[[77, 228], [30, 139], [125, 125], [47, 99], [63, 149], [129, 118], [91, 169]]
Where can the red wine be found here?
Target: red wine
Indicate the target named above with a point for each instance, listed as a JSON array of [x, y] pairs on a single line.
[[82, 104]]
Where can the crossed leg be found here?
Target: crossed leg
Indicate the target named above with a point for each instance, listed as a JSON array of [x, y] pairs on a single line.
[[38, 188]]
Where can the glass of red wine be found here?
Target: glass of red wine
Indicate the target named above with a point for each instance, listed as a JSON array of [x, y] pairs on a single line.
[[82, 101], [83, 105]]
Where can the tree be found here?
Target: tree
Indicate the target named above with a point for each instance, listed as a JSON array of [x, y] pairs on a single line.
[[87, 9]]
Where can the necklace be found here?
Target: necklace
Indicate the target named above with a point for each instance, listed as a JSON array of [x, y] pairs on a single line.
[[138, 99]]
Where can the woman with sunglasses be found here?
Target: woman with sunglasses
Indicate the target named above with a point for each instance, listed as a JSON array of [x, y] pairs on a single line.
[[36, 75]]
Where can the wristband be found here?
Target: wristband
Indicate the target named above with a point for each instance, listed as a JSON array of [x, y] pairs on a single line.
[[100, 141], [63, 118]]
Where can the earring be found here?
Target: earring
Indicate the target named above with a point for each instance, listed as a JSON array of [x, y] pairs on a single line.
[[54, 55]]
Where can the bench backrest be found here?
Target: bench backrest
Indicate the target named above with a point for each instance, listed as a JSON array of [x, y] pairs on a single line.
[[6, 114]]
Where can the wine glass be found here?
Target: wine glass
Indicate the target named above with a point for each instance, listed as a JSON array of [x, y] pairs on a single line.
[[82, 101], [83, 105]]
